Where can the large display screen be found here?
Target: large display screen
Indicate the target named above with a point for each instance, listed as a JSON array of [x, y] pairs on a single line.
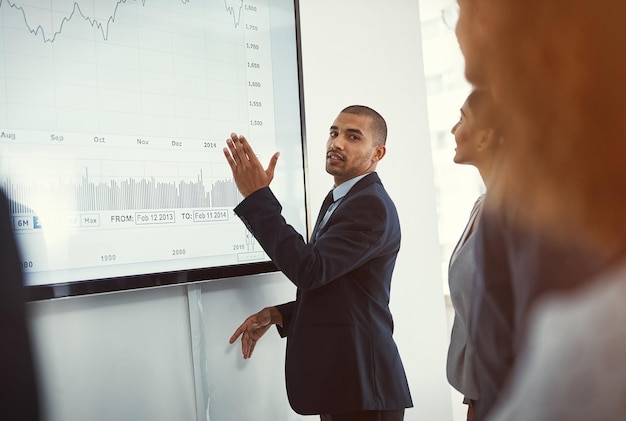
[[113, 117]]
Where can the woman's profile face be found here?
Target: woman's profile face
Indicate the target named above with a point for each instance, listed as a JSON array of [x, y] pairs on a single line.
[[467, 136]]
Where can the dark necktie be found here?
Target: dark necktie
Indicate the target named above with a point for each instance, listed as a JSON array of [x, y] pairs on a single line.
[[328, 200]]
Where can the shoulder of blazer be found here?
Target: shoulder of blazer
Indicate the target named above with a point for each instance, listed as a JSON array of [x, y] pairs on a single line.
[[368, 180]]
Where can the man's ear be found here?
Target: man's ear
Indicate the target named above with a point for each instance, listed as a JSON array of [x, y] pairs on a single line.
[[380, 152]]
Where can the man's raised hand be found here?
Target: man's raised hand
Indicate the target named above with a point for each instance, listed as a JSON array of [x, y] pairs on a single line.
[[247, 171]]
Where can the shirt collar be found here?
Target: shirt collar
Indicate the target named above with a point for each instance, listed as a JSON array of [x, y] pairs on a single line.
[[341, 190]]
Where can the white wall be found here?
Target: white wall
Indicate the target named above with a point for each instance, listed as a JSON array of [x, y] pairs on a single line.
[[115, 357], [162, 354]]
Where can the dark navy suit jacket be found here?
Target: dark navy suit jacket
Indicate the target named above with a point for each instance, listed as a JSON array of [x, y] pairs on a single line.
[[341, 356]]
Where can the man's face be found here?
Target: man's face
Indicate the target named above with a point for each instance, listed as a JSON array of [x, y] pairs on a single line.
[[351, 150]]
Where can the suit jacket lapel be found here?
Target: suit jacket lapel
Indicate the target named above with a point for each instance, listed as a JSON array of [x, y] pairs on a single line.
[[360, 185], [328, 200]]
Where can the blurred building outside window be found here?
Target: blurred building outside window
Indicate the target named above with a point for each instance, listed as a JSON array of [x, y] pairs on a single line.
[[457, 186]]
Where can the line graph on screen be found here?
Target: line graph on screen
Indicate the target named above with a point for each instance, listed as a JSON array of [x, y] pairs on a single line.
[[186, 70], [76, 12], [113, 115]]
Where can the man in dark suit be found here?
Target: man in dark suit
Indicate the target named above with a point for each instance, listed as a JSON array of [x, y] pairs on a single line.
[[341, 361]]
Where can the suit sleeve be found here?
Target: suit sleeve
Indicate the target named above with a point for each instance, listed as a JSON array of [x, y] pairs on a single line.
[[286, 310], [351, 237]]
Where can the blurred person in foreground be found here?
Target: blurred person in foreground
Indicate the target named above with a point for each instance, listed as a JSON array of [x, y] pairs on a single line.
[[19, 397], [478, 137], [341, 362], [556, 70]]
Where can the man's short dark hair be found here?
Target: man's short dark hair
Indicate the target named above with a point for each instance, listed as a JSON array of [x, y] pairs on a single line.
[[378, 122]]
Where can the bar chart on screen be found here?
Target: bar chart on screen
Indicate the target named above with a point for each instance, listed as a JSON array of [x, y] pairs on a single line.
[[113, 116]]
